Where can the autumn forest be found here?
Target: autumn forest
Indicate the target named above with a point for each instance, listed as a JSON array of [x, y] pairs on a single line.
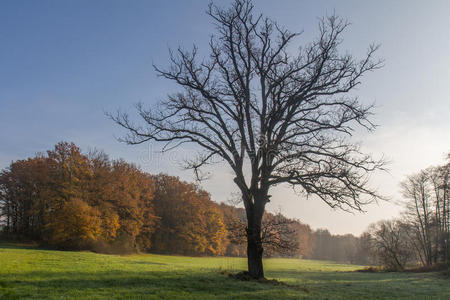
[[67, 199]]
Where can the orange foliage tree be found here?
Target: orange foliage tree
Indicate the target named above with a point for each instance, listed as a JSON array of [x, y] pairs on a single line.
[[71, 200], [190, 222], [76, 225]]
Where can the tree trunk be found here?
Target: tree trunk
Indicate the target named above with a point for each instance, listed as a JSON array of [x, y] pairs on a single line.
[[254, 242], [254, 252]]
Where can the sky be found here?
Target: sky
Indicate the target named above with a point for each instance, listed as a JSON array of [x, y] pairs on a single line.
[[63, 64]]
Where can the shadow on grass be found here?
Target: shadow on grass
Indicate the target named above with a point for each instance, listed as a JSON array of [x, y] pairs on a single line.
[[202, 285], [125, 284], [379, 285], [15, 245], [140, 262], [131, 279]]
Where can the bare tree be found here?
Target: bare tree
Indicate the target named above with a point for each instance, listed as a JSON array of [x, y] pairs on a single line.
[[390, 244], [427, 210], [419, 212], [440, 179], [273, 117]]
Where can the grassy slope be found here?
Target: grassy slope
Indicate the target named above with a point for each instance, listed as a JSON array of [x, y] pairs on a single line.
[[57, 274]]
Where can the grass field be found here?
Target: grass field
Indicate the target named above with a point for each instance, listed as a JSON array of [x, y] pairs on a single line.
[[33, 273]]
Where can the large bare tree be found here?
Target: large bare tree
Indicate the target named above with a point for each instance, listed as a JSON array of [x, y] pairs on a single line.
[[273, 116]]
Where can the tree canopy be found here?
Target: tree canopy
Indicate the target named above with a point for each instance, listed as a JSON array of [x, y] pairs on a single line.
[[273, 115]]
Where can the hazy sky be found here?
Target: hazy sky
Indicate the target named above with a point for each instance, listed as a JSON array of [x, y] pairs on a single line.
[[63, 63]]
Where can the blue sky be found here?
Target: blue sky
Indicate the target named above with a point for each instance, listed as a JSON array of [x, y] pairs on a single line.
[[64, 63]]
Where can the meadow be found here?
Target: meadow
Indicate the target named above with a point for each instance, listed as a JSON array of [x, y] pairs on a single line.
[[29, 273]]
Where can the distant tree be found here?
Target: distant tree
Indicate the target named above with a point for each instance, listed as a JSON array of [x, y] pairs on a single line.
[[190, 223], [391, 245], [22, 189], [419, 213], [363, 250], [440, 182], [423, 234], [345, 248], [132, 197], [101, 188], [69, 171], [275, 116], [323, 245], [76, 226], [303, 238], [427, 211], [234, 220]]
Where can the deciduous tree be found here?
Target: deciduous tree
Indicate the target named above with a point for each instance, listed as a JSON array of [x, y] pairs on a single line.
[[190, 223], [274, 116]]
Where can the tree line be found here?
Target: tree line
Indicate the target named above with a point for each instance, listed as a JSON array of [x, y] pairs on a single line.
[[422, 234], [67, 199], [70, 200]]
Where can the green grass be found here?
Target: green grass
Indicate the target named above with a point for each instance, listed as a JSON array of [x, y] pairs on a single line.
[[33, 273]]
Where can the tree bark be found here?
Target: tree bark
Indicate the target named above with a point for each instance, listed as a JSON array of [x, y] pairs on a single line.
[[254, 252], [254, 242]]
